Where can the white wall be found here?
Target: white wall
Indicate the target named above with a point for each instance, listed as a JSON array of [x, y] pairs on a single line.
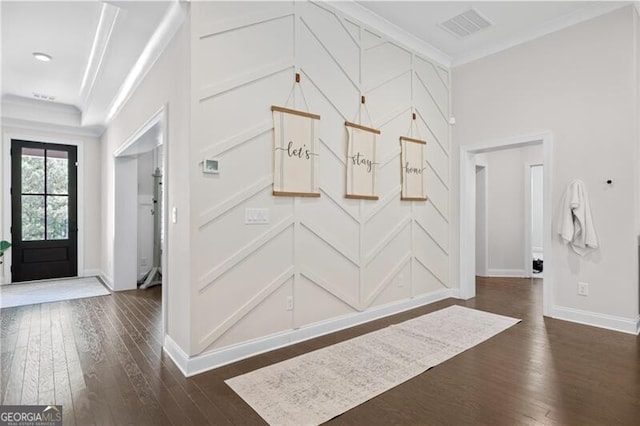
[[579, 84], [537, 233], [481, 221], [146, 167], [166, 85], [89, 184], [336, 257], [506, 203]]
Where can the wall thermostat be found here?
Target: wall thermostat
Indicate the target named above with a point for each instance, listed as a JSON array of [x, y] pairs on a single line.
[[211, 165]]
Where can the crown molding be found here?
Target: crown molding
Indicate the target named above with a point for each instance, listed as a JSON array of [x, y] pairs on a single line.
[[25, 124], [576, 17], [108, 16], [381, 25], [169, 26]]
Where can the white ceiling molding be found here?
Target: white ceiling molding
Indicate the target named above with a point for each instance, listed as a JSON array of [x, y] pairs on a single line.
[[33, 109], [18, 123], [169, 26], [581, 15], [108, 16], [379, 24]]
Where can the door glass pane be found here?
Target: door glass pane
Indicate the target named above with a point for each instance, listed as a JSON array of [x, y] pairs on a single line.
[[57, 172], [57, 218], [32, 171], [32, 217]]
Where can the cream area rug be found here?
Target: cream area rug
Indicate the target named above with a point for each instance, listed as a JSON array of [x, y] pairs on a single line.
[[315, 387], [50, 291]]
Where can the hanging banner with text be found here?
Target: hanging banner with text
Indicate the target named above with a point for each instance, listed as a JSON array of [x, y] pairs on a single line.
[[362, 165], [296, 146], [412, 169]]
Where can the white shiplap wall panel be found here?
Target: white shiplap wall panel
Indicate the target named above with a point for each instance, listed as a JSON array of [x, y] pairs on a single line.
[[399, 288], [388, 98], [431, 115], [383, 62], [326, 73], [267, 318], [330, 220], [228, 233], [319, 303], [240, 283], [433, 83], [437, 158], [384, 265], [423, 280], [327, 264], [255, 165], [353, 28], [432, 222], [437, 192], [333, 35], [269, 47], [216, 17], [430, 255], [238, 108], [334, 256], [377, 228]]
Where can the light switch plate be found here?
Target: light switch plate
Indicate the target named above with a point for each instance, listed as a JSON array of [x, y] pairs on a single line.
[[256, 216]]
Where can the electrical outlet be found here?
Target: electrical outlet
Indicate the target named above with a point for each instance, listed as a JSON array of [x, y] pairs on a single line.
[[289, 303], [144, 261], [400, 280], [583, 289]]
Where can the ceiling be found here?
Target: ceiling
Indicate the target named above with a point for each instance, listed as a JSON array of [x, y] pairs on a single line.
[[513, 22], [95, 45]]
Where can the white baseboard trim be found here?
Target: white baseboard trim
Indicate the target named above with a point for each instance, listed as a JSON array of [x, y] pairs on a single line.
[[106, 279], [200, 363], [610, 322], [91, 273], [175, 352], [506, 273]]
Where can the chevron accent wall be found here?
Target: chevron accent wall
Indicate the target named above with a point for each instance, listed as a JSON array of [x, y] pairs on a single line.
[[330, 256]]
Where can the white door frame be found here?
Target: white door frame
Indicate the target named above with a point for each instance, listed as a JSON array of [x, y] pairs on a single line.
[[5, 268], [528, 258], [482, 164], [124, 238], [467, 211]]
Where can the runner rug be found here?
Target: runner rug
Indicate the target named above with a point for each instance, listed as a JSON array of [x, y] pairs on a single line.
[[315, 387], [50, 291]]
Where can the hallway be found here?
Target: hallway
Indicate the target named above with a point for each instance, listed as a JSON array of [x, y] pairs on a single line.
[[108, 368]]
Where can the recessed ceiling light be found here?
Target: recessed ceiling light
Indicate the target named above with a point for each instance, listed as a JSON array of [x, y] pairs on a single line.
[[42, 56]]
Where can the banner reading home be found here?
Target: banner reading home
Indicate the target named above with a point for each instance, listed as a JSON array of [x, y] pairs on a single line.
[[412, 169], [295, 154]]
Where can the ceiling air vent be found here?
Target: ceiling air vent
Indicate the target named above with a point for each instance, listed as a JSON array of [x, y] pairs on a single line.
[[44, 97], [466, 23]]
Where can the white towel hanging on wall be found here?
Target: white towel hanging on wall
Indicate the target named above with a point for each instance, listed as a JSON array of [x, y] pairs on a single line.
[[575, 224]]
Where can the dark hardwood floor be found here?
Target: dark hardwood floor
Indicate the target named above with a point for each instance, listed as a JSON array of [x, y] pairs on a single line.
[[101, 358]]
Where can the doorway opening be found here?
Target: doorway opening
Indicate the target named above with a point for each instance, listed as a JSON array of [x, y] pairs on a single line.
[[468, 215], [534, 208], [44, 211], [139, 246]]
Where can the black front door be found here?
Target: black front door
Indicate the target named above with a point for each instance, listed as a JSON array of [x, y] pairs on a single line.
[[43, 210]]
